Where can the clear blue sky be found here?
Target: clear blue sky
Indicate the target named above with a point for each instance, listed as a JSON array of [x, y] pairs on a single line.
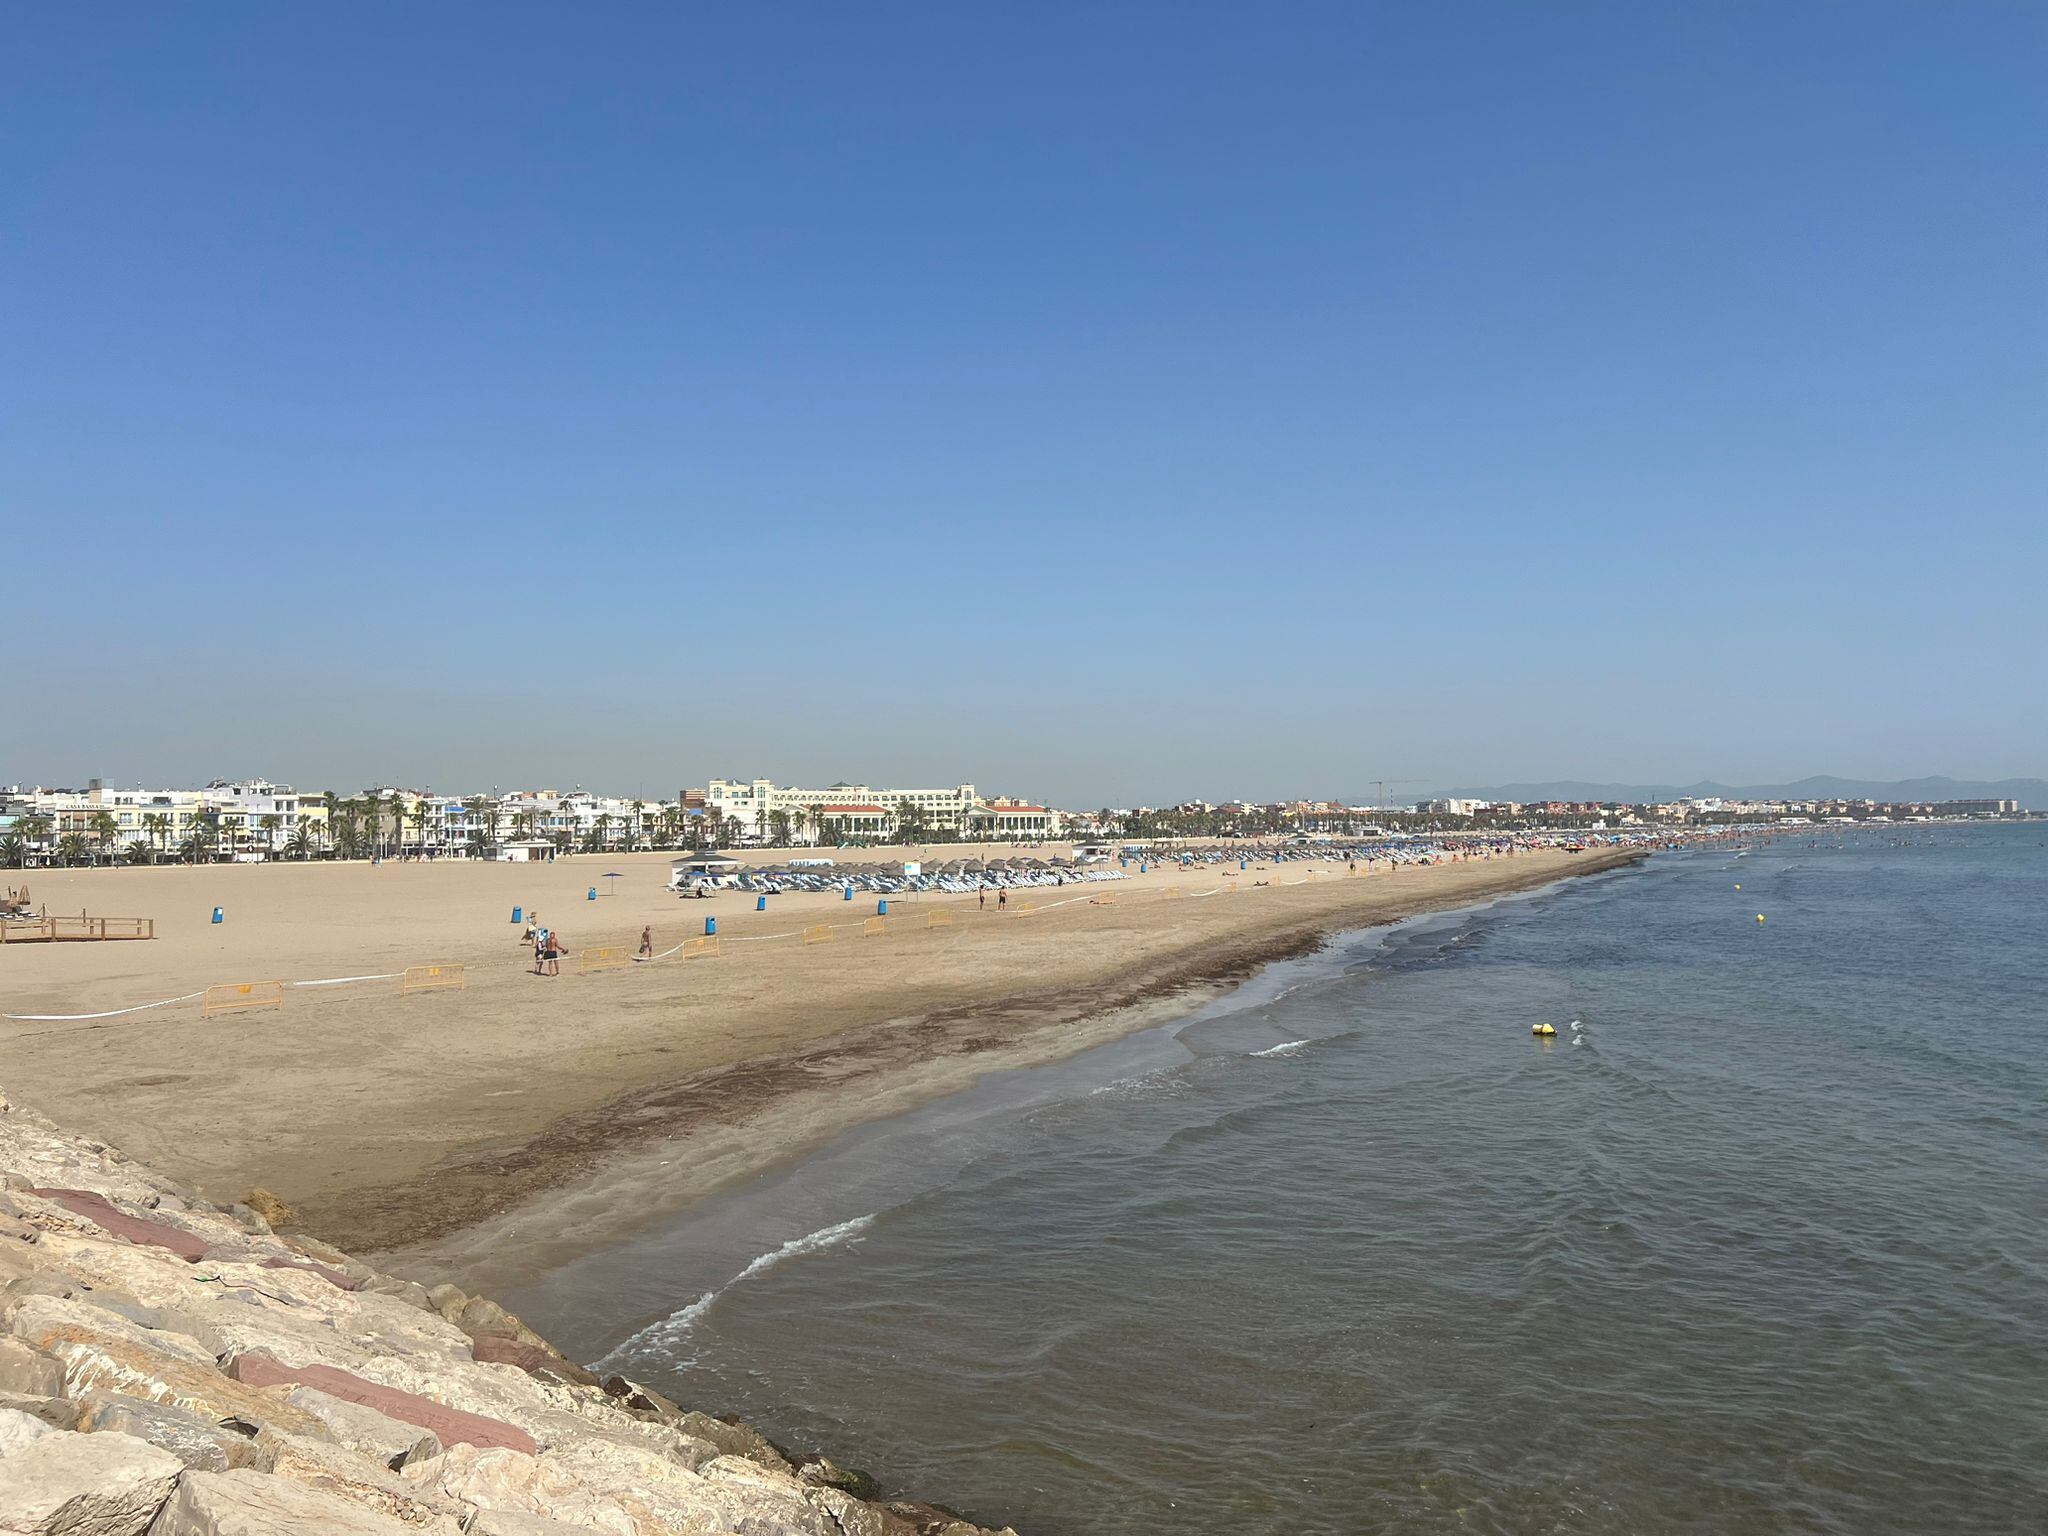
[[1113, 403]]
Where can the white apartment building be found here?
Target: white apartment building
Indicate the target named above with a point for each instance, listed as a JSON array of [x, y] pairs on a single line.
[[751, 802]]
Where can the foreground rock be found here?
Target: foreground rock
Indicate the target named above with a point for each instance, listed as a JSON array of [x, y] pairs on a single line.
[[170, 1368]]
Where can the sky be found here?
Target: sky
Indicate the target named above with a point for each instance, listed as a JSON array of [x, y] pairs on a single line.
[[1111, 403]]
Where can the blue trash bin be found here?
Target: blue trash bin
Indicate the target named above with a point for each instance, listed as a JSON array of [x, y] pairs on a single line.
[[760, 903], [518, 913], [882, 907], [217, 915], [593, 894], [710, 926], [847, 895]]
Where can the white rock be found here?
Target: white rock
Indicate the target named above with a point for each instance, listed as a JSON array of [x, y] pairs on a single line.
[[389, 1442], [84, 1485], [18, 1429], [255, 1504]]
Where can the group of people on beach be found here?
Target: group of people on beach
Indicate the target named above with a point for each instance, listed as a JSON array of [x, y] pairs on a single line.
[[547, 951]]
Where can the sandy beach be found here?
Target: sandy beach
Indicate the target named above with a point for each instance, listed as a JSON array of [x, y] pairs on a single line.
[[486, 1131]]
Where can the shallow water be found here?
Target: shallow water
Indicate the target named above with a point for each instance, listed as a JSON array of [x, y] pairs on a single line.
[[1761, 1245]]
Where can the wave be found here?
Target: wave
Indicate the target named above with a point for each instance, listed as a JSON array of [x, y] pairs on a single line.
[[1286, 1049], [677, 1325]]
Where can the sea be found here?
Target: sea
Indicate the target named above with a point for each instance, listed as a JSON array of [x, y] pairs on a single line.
[[1756, 1242]]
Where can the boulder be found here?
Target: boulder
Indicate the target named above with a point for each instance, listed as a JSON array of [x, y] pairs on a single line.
[[152, 1366], [200, 1443], [481, 1317], [243, 1503], [346, 1474], [18, 1429], [92, 1485], [411, 1292], [251, 1220], [103, 1214], [505, 1481], [454, 1426], [389, 1442], [737, 1440], [829, 1474], [641, 1399], [27, 1370], [269, 1207], [448, 1300], [535, 1360], [507, 1522], [57, 1412]]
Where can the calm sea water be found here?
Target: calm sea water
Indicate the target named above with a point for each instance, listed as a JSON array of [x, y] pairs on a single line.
[[1759, 1244]]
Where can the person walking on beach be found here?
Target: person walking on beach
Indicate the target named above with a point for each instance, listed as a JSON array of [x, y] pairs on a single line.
[[553, 952], [539, 935], [647, 942], [981, 898], [1002, 898]]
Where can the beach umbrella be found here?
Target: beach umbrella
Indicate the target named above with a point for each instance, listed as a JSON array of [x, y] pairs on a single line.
[[612, 874]]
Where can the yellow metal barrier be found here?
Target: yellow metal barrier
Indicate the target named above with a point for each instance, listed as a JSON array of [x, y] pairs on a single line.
[[1024, 909], [605, 957], [700, 949], [818, 933], [938, 919], [1104, 900], [874, 927], [431, 978], [240, 996], [1169, 893]]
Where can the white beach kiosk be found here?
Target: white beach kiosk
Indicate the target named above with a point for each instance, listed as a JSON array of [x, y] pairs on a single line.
[[707, 866]]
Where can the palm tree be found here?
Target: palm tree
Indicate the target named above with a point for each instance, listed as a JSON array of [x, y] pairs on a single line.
[[420, 817], [197, 845], [33, 830], [140, 852], [106, 831], [817, 823], [300, 844], [479, 807], [270, 824], [13, 850], [158, 827], [75, 848], [778, 828], [373, 811], [798, 821]]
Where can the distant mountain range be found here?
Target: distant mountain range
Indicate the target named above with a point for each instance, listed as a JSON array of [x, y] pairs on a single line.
[[2030, 793]]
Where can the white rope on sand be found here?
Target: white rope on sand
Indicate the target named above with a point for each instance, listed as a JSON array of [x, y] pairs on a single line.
[[111, 1013], [115, 1013]]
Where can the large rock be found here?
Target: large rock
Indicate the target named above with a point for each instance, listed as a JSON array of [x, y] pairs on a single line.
[[733, 1440], [200, 1443], [18, 1429], [57, 1412], [253, 1504], [102, 1213], [454, 1425], [100, 1351], [534, 1359], [346, 1474], [84, 1485], [502, 1480], [389, 1442], [270, 1207], [507, 1522], [27, 1370]]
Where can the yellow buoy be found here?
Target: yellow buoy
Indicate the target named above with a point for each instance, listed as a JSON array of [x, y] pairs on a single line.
[[1738, 885], [1759, 917], [1541, 1029]]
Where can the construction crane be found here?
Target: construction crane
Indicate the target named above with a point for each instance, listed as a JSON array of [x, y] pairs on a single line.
[[1381, 803]]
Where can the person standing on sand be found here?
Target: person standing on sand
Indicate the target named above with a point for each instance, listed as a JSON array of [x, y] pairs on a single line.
[[551, 952], [981, 898], [539, 935], [647, 942], [1002, 898]]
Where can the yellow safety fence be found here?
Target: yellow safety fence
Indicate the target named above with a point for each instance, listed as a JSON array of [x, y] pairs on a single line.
[[606, 957], [240, 996], [818, 933], [874, 927], [431, 978], [700, 949]]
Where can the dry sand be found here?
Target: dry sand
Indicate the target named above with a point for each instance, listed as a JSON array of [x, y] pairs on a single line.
[[466, 1130]]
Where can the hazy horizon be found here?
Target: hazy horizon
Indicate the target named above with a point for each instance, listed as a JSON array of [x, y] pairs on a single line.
[[1117, 405]]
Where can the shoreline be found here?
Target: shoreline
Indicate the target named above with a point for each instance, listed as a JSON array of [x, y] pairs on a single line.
[[597, 1178]]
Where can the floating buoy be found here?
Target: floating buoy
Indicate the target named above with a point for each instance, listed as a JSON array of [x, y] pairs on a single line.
[[1541, 1029], [1759, 917], [1738, 885]]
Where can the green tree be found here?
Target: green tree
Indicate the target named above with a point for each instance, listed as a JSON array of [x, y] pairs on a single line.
[[75, 848], [140, 852], [373, 819]]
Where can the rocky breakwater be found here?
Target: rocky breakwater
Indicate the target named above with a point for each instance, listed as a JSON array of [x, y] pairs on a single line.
[[173, 1368]]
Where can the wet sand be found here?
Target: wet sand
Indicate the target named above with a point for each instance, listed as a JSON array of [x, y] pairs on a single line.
[[486, 1132]]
